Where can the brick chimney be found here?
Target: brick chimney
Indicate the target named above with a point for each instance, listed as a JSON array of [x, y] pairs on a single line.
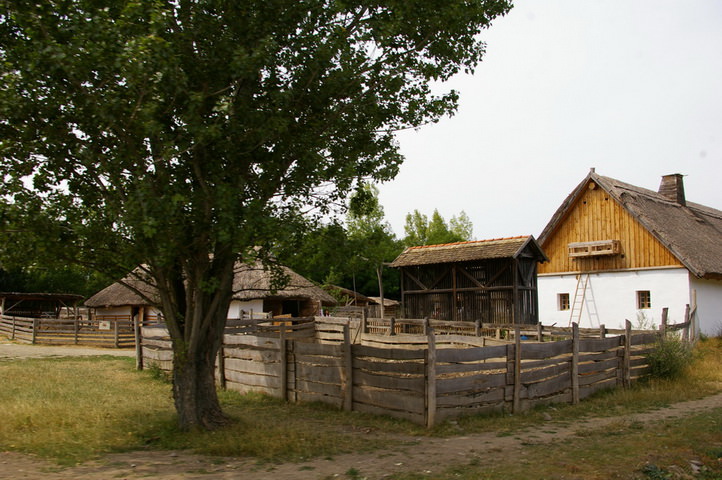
[[672, 187]]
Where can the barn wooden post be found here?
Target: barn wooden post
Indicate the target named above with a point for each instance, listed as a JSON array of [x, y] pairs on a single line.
[[347, 370], [284, 362], [35, 329], [392, 326], [516, 405], [539, 332], [575, 363], [431, 379], [364, 321], [626, 369]]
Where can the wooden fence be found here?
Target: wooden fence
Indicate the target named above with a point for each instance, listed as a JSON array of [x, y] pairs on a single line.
[[109, 331], [422, 377]]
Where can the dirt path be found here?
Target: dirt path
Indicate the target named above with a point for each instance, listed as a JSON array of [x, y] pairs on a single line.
[[421, 455], [12, 350]]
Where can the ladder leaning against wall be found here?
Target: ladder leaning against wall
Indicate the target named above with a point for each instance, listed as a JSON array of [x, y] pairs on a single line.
[[580, 293]]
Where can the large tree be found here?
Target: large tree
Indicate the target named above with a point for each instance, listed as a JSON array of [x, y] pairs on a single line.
[[183, 135]]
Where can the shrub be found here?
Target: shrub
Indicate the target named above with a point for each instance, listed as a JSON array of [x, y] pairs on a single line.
[[670, 358]]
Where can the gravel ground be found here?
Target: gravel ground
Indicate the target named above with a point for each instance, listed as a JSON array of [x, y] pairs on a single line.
[[9, 349]]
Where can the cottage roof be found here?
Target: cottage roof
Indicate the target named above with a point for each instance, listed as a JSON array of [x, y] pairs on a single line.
[[250, 282], [692, 232], [511, 247]]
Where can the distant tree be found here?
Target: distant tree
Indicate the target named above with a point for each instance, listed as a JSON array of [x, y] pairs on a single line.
[[184, 135], [420, 231]]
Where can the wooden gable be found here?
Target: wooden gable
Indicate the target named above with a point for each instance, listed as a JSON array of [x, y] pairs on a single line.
[[594, 219]]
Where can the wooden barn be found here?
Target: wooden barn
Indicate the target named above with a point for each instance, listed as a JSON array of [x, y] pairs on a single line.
[[253, 292], [620, 252], [494, 281]]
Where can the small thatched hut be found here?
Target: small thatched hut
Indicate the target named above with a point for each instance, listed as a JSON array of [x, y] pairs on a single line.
[[252, 292]]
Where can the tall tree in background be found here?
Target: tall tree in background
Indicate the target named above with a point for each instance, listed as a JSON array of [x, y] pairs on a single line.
[[182, 135], [420, 231]]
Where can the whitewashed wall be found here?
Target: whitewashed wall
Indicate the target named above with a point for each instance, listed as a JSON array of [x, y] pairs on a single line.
[[611, 298], [234, 311], [709, 305]]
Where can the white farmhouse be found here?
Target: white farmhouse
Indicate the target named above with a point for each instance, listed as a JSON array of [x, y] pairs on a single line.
[[618, 252]]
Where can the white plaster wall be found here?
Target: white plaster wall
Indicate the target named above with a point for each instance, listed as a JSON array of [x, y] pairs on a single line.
[[611, 298], [113, 311], [709, 305], [234, 311]]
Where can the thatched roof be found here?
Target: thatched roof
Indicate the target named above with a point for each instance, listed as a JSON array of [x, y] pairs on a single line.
[[692, 232], [251, 282], [469, 251]]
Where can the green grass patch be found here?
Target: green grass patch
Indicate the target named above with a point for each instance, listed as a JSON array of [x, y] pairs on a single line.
[[72, 409]]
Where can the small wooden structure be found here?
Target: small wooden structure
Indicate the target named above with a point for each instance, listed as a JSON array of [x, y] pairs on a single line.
[[494, 281], [37, 305]]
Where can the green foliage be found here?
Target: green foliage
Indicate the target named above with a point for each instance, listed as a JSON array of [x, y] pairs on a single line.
[[422, 231], [185, 136], [670, 358]]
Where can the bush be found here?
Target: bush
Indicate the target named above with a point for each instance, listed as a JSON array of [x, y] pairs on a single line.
[[670, 358]]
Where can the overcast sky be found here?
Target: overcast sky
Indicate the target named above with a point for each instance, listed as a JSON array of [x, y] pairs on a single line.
[[631, 87]]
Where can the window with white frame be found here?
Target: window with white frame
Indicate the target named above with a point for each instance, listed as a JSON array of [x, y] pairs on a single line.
[[644, 299], [563, 301]]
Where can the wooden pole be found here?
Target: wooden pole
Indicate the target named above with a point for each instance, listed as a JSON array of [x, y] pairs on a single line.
[[364, 322], [348, 370], [116, 340], [539, 332], [516, 405], [626, 367], [284, 363], [35, 329], [602, 331], [575, 363], [137, 333], [392, 326], [688, 322], [431, 379], [663, 326], [221, 364]]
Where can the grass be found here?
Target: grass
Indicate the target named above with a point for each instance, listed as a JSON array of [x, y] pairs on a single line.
[[73, 409]]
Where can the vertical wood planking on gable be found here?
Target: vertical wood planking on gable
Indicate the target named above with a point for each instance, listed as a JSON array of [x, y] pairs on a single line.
[[597, 216]]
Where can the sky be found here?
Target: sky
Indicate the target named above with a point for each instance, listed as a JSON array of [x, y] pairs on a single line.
[[632, 88]]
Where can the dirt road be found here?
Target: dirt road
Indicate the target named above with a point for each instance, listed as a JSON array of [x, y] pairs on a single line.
[[18, 350]]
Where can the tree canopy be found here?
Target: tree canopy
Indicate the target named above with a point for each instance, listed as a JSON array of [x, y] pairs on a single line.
[[186, 135], [422, 231]]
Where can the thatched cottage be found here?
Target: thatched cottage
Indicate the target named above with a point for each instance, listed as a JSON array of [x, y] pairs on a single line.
[[620, 252], [252, 292]]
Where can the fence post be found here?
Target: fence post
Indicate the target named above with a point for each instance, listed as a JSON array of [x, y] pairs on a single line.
[[35, 329], [221, 363], [539, 332], [431, 379], [663, 325], [392, 326], [602, 331], [284, 363], [364, 322], [116, 340], [12, 336], [575, 363], [76, 329], [688, 322], [477, 327], [348, 370], [516, 405], [626, 368], [138, 339]]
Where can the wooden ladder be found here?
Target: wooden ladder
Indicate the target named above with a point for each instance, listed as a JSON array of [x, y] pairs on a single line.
[[579, 294]]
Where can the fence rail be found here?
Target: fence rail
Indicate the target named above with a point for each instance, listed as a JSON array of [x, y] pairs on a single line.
[[422, 377], [110, 331]]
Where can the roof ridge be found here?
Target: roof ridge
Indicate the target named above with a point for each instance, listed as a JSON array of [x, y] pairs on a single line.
[[468, 242]]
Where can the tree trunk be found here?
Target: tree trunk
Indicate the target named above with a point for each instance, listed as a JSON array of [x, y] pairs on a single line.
[[194, 389]]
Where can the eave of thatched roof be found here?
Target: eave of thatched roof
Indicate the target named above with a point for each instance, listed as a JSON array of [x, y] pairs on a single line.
[[256, 281], [691, 232], [250, 282], [511, 247]]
